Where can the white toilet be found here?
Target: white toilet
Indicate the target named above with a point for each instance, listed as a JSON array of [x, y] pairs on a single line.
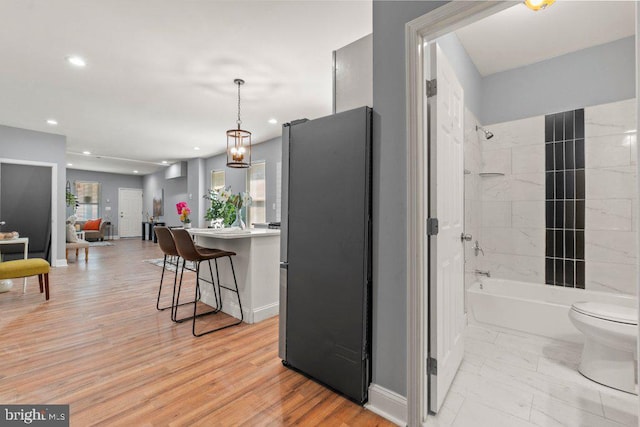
[[610, 350]]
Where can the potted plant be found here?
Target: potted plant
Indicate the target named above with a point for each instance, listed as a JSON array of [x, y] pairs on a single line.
[[220, 212], [72, 200]]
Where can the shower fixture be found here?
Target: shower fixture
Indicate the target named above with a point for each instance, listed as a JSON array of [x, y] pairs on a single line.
[[487, 134]]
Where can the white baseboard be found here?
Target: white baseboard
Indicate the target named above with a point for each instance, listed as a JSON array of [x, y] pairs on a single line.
[[388, 404], [265, 312], [60, 263]]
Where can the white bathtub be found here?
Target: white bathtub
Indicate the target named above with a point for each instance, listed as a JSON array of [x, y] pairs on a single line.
[[533, 308]]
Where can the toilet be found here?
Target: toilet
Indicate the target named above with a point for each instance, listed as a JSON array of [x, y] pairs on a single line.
[[610, 354]]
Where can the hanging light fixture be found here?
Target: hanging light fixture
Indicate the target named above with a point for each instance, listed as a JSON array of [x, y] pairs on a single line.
[[537, 5], [238, 141]]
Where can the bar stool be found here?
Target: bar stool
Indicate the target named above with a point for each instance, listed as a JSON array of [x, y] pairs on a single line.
[[168, 247], [190, 252]]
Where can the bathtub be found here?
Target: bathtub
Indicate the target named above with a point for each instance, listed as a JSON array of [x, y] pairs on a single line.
[[533, 308]]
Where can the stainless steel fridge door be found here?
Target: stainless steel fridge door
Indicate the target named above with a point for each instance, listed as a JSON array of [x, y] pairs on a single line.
[[329, 252], [282, 338]]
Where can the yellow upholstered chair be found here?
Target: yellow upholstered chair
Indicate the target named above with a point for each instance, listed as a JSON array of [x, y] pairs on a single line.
[[26, 268]]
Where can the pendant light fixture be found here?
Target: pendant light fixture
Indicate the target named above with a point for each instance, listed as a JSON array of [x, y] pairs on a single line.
[[537, 5], [238, 141]]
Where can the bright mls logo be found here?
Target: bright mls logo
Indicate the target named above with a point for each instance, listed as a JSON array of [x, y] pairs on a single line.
[[38, 415]]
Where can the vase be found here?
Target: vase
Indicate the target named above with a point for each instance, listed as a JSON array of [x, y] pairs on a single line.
[[239, 223], [216, 223], [5, 285], [187, 225]]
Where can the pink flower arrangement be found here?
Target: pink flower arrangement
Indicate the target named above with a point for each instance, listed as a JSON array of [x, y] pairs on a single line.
[[183, 211]]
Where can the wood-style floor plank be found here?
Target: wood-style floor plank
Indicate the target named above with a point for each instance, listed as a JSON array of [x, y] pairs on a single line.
[[100, 346]]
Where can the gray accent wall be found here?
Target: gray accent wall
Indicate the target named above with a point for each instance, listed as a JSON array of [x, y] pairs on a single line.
[[390, 190], [109, 185], [27, 145], [466, 71], [175, 190], [191, 188], [269, 152], [593, 76]]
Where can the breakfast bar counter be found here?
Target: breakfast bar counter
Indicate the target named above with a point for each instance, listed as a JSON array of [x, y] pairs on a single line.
[[257, 270]]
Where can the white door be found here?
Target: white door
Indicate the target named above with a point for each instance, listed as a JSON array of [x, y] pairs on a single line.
[[130, 212], [445, 249]]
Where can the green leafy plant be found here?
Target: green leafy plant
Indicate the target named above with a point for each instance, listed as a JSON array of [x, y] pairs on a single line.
[[219, 208], [71, 200]]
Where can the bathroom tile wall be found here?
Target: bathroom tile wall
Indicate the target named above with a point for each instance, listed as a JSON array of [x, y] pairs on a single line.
[[512, 206], [611, 199], [472, 194], [513, 217], [565, 199]]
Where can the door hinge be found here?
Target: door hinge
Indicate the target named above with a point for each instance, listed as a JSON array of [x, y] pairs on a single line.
[[432, 366], [432, 226], [432, 88]]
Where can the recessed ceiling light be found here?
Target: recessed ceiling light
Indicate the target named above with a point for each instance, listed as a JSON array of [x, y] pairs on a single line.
[[135, 171], [52, 122], [196, 148], [86, 153], [273, 121], [76, 61], [164, 162], [69, 164]]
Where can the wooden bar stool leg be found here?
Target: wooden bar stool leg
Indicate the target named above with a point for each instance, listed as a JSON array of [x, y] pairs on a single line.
[[86, 254], [40, 282]]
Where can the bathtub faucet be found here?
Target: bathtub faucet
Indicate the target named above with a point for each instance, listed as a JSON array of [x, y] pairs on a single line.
[[483, 273], [477, 249]]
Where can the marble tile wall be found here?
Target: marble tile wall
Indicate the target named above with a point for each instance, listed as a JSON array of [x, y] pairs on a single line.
[[472, 194], [508, 217], [513, 217], [611, 199]]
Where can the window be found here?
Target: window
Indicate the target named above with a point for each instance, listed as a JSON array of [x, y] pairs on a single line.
[[257, 189], [88, 200], [217, 180]]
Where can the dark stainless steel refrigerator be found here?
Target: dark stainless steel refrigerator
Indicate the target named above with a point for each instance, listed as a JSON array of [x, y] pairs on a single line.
[[325, 275]]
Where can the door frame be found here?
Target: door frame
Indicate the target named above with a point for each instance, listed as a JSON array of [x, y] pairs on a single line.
[[119, 209], [54, 204], [429, 27]]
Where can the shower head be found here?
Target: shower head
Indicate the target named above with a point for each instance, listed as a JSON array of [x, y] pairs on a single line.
[[487, 134]]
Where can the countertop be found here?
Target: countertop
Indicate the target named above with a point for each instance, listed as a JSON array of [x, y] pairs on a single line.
[[225, 233]]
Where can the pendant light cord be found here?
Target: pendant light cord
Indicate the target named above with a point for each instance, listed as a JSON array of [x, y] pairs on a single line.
[[239, 122]]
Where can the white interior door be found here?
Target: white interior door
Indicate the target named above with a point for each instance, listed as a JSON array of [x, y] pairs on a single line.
[[445, 249], [130, 214]]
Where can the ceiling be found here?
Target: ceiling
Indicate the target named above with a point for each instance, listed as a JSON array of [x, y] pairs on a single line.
[[159, 74], [518, 36]]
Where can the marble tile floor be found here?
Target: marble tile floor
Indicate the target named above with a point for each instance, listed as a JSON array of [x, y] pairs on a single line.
[[512, 379]]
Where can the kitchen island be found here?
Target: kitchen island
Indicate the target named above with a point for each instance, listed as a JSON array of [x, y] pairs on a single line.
[[257, 270]]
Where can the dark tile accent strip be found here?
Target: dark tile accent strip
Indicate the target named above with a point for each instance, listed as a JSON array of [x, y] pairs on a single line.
[[564, 195]]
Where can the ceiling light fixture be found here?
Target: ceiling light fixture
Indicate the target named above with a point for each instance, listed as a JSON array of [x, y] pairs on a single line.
[[76, 61], [86, 153], [164, 162], [69, 164], [238, 141], [537, 5], [135, 171], [273, 121], [52, 122], [196, 148]]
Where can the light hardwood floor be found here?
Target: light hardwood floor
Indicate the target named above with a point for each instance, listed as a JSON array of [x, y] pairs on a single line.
[[100, 345]]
